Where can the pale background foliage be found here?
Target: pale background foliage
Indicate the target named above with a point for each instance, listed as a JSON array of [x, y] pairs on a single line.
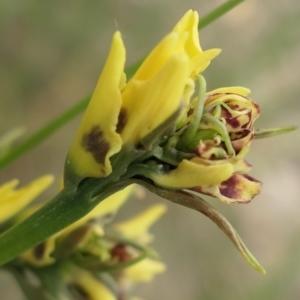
[[51, 54]]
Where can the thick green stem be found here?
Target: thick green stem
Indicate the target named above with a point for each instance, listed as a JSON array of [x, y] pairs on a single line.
[[218, 12], [63, 210]]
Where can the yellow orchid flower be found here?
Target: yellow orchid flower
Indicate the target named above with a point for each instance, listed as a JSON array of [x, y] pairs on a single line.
[[221, 138], [194, 172], [13, 201], [120, 115]]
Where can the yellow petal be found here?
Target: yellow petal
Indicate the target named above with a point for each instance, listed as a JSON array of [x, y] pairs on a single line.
[[200, 62], [148, 104], [7, 189], [96, 139], [144, 270], [137, 227], [198, 59], [195, 172], [238, 189], [13, 201], [159, 56], [231, 90], [189, 23]]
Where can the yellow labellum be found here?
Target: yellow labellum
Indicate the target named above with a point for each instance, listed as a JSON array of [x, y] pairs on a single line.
[[195, 172]]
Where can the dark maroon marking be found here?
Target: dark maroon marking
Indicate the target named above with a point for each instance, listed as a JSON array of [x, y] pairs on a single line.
[[122, 120], [234, 122], [120, 253], [256, 106], [240, 134], [227, 188], [95, 143], [225, 113], [39, 250], [248, 124], [234, 106]]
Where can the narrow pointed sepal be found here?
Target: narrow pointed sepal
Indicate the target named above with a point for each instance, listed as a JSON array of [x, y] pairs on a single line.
[[270, 132], [200, 205]]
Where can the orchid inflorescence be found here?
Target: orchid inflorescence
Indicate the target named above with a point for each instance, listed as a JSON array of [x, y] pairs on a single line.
[[160, 129]]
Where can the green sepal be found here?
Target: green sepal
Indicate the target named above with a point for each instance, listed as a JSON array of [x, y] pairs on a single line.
[[264, 133], [194, 202], [201, 135]]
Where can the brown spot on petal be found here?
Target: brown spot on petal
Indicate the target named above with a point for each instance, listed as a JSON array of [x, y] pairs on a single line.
[[95, 143], [122, 120], [249, 123], [234, 122], [234, 106], [120, 253], [228, 187], [39, 250]]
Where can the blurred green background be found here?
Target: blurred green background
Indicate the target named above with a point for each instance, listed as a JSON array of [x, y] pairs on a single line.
[[51, 54]]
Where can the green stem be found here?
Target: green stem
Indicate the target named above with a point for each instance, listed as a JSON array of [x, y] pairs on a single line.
[[218, 12], [43, 133], [75, 110], [63, 210]]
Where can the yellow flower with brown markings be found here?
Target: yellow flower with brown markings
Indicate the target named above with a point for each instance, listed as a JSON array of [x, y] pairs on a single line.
[[221, 140], [121, 115]]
